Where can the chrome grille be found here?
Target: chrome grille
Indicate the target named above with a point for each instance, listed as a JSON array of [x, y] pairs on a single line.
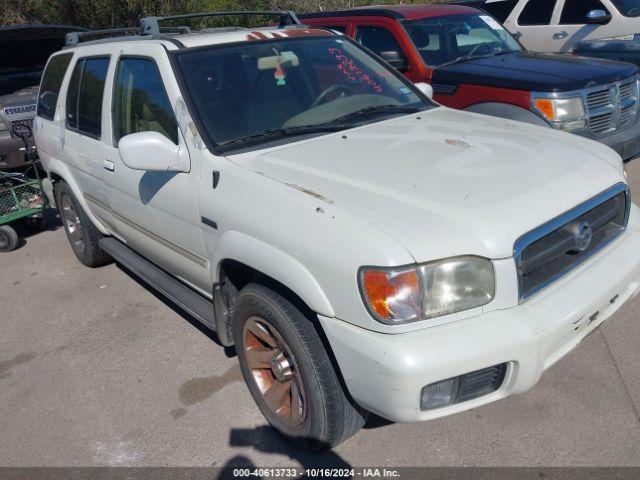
[[602, 123], [554, 249], [612, 107], [598, 99]]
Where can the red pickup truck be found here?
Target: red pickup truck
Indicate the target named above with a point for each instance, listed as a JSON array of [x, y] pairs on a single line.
[[474, 64]]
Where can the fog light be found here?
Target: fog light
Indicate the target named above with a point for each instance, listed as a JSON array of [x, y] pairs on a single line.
[[463, 388], [439, 394]]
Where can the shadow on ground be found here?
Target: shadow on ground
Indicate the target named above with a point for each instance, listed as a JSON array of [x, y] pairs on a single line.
[[265, 439]]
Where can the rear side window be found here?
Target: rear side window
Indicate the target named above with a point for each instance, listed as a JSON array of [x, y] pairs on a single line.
[[500, 10], [575, 11], [537, 12], [140, 101], [84, 95], [51, 83]]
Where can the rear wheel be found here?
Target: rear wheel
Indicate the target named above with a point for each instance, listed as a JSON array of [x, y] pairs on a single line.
[[8, 238], [82, 234], [289, 372]]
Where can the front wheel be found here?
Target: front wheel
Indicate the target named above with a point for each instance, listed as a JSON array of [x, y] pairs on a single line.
[[289, 372]]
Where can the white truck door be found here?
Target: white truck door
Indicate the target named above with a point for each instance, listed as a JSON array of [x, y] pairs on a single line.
[[82, 128], [571, 23], [531, 21], [154, 212]]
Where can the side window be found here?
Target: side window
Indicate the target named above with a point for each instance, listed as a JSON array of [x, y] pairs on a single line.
[[500, 10], [140, 102], [84, 95], [575, 12], [377, 39], [537, 12], [50, 85]]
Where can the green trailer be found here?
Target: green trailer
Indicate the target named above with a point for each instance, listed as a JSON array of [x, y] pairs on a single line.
[[21, 196], [20, 199]]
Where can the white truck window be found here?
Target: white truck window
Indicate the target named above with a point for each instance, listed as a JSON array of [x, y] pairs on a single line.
[[575, 11], [140, 102], [51, 83], [537, 12], [84, 96]]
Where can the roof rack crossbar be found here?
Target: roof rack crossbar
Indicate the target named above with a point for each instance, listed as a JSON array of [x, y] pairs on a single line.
[[150, 25], [74, 38]]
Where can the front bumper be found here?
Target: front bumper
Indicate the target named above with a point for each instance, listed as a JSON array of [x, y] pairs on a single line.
[[385, 373], [625, 142]]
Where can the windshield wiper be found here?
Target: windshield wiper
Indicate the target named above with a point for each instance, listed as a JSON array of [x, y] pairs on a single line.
[[276, 133], [475, 57], [364, 112]]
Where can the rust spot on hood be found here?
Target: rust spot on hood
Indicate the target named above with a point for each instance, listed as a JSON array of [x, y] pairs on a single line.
[[458, 143], [317, 195]]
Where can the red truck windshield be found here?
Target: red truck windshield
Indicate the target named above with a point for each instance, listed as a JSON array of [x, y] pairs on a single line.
[[441, 40]]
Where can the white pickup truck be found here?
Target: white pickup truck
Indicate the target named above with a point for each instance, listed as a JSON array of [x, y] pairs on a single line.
[[363, 248]]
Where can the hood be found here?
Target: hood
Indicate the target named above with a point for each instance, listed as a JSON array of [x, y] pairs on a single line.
[[26, 96], [25, 50], [444, 182], [532, 71]]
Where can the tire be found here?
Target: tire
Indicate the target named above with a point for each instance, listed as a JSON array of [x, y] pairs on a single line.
[[82, 234], [289, 372], [8, 239]]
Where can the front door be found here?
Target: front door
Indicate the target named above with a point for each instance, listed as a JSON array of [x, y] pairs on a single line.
[[155, 213], [572, 27]]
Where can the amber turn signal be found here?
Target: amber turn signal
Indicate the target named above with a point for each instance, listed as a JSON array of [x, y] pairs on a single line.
[[393, 295]]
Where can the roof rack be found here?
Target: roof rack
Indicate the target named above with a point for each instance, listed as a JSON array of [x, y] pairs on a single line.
[[74, 38], [150, 25]]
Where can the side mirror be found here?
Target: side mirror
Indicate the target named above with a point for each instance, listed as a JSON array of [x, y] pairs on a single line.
[[152, 151], [425, 88], [598, 17], [396, 59]]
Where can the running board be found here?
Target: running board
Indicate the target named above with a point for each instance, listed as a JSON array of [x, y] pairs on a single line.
[[186, 298]]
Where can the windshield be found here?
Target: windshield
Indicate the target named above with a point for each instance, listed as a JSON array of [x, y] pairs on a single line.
[[441, 40], [285, 86], [628, 8]]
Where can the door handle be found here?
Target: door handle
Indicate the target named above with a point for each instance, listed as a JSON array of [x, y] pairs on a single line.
[[108, 165], [560, 35]]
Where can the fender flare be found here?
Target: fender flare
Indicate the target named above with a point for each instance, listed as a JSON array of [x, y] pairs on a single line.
[[508, 111], [274, 263], [61, 169]]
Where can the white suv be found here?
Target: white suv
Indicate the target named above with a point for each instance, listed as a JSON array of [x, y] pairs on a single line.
[[363, 248], [557, 25]]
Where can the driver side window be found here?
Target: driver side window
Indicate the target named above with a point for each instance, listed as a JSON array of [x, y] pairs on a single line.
[[140, 101], [575, 12]]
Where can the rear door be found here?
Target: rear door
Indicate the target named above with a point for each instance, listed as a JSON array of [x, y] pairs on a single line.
[[532, 22], [155, 213], [83, 147]]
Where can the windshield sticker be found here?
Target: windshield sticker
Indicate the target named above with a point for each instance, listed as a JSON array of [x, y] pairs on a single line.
[[351, 71], [491, 22]]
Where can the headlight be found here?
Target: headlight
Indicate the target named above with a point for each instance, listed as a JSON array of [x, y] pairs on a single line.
[[407, 294], [563, 113], [3, 125]]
